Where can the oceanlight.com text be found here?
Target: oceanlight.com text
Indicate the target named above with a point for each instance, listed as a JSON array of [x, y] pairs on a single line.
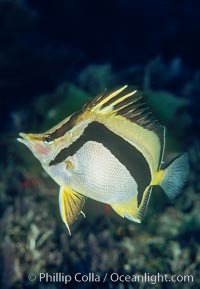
[[59, 277], [151, 278]]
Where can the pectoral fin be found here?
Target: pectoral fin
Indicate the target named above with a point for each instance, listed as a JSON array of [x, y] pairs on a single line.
[[71, 204]]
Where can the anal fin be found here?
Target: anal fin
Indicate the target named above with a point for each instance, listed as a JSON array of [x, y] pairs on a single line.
[[71, 204], [130, 210], [144, 203], [127, 209]]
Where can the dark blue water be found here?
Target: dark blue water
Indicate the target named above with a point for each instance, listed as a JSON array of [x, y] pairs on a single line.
[[46, 42]]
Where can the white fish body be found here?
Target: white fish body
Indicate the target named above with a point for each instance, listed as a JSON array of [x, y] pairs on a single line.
[[99, 175]]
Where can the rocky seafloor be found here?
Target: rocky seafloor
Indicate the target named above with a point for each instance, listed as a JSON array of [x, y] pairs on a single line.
[[34, 240]]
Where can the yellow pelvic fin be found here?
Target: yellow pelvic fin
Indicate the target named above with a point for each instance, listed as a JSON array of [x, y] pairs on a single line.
[[71, 204], [130, 209]]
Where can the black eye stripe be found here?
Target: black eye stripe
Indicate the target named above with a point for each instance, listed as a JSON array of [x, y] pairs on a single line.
[[61, 131]]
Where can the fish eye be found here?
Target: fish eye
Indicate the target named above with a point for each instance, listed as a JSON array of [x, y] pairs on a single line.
[[48, 140]]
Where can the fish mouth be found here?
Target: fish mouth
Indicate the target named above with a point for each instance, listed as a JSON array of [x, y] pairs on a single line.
[[23, 137], [28, 139]]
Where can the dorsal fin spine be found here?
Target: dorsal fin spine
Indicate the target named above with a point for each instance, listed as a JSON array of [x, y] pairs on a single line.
[[99, 103]]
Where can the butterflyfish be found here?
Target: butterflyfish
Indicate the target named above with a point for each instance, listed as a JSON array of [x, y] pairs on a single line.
[[111, 151]]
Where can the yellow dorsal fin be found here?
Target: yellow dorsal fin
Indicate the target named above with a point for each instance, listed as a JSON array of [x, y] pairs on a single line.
[[71, 204], [107, 102], [126, 103]]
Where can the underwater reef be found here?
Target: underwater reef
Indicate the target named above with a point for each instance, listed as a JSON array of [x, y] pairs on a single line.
[[33, 237]]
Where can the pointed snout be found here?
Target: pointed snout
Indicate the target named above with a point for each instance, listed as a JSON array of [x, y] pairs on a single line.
[[37, 146], [26, 137]]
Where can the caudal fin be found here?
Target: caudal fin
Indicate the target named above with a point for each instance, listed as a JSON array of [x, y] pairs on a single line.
[[175, 176]]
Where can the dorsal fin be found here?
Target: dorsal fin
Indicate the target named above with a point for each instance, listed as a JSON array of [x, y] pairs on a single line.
[[126, 103]]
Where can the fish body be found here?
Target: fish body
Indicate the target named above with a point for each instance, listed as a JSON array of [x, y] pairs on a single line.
[[93, 165], [111, 151]]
